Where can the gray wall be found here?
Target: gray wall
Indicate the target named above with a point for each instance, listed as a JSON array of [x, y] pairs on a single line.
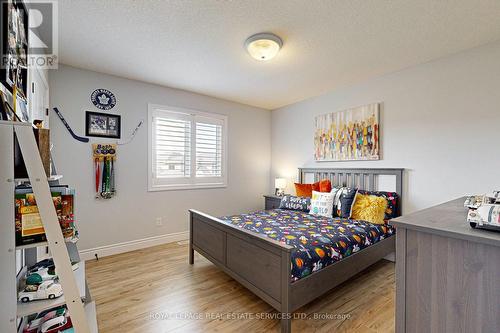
[[132, 214], [439, 120]]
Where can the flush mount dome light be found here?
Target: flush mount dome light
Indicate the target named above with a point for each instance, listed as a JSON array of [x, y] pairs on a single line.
[[263, 46]]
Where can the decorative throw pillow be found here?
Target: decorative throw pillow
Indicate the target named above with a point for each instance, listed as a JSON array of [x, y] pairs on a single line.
[[344, 199], [322, 204], [305, 190], [392, 202], [370, 208], [336, 191], [295, 203], [325, 185]]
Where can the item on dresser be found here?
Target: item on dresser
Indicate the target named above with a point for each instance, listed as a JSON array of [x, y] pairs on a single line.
[[370, 208], [280, 185], [484, 211], [291, 202], [322, 204]]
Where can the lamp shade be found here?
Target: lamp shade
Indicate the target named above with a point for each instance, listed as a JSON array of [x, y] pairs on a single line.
[[280, 183]]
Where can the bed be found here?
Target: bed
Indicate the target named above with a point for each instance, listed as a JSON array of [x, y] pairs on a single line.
[[269, 266]]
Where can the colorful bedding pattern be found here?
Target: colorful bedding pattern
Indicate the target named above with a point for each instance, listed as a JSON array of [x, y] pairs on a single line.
[[318, 241]]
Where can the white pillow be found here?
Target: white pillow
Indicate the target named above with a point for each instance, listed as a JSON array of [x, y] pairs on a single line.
[[322, 203]]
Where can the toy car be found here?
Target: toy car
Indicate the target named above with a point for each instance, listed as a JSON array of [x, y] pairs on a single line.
[[56, 325], [46, 263], [42, 317], [42, 274], [33, 326], [47, 289], [484, 211]]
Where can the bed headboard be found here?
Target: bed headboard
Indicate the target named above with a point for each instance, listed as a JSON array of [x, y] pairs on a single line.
[[364, 179]]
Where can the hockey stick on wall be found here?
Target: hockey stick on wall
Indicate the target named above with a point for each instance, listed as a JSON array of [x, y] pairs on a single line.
[[76, 137]]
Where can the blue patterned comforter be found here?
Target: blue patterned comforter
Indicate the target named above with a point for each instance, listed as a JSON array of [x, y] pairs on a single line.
[[318, 241]]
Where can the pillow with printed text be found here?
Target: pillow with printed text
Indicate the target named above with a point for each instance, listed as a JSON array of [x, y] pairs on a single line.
[[292, 202], [322, 204]]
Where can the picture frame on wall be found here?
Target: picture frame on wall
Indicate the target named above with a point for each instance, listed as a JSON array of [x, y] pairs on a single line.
[[348, 135], [102, 125], [14, 46]]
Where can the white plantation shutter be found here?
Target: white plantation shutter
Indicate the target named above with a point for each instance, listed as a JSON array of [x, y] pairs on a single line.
[[173, 147], [187, 149], [208, 148]]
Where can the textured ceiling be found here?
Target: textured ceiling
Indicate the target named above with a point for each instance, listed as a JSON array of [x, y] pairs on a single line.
[[198, 45]]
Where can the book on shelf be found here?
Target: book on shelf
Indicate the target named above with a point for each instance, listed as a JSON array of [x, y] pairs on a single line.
[[29, 226]]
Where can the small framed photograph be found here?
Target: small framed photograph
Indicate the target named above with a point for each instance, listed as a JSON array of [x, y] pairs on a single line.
[[102, 125]]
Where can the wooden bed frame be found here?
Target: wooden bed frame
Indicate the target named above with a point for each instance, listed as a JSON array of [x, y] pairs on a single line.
[[263, 265]]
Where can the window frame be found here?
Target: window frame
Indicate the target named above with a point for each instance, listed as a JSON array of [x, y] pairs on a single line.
[[192, 182]]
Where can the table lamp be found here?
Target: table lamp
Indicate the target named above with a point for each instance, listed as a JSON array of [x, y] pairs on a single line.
[[280, 185]]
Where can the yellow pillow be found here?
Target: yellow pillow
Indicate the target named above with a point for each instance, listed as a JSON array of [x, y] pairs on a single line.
[[369, 208]]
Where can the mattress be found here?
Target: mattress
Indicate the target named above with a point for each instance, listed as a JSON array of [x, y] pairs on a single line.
[[318, 241]]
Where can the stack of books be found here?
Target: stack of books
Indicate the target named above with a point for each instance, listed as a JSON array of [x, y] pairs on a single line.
[[29, 226]]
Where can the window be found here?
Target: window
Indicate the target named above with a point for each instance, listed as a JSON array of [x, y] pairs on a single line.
[[187, 149]]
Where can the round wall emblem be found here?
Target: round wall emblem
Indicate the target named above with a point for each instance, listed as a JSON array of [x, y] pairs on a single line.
[[103, 99]]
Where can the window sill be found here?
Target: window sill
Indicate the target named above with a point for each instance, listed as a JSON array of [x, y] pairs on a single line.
[[159, 188]]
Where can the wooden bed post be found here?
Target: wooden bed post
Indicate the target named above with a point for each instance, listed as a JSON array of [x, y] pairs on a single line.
[[191, 250], [286, 320]]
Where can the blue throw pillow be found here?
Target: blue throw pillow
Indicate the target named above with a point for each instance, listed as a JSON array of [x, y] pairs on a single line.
[[291, 202], [344, 201]]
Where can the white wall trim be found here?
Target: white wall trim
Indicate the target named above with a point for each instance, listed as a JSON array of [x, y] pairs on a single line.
[[108, 250]]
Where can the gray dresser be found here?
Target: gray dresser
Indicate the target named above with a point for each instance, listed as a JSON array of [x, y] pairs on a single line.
[[447, 274]]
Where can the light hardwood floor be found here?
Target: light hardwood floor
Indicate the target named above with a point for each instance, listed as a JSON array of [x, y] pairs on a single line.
[[154, 290]]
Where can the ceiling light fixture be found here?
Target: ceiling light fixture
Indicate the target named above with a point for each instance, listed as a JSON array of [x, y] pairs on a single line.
[[263, 46]]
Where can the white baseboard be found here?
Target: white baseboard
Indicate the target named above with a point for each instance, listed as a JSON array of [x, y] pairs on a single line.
[[108, 250]]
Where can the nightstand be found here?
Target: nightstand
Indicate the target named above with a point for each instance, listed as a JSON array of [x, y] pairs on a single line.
[[272, 202]]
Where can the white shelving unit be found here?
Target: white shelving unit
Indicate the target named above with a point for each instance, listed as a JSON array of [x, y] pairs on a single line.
[[76, 293]]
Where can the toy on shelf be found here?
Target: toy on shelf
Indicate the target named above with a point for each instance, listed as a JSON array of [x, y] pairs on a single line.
[[59, 324], [484, 211], [35, 324], [41, 274], [45, 290], [104, 156]]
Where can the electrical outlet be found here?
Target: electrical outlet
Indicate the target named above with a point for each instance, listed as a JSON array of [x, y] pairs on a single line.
[[159, 222]]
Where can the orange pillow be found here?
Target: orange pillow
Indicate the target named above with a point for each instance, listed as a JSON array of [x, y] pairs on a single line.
[[325, 185], [305, 190]]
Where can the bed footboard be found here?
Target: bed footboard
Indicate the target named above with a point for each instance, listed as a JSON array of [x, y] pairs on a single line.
[[248, 258]]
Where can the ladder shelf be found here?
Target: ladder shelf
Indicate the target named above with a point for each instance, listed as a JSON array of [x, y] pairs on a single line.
[[75, 290]]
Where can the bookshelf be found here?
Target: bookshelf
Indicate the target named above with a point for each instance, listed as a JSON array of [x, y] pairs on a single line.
[[77, 298]]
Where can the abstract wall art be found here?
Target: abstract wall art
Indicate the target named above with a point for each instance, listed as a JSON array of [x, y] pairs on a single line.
[[348, 135]]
